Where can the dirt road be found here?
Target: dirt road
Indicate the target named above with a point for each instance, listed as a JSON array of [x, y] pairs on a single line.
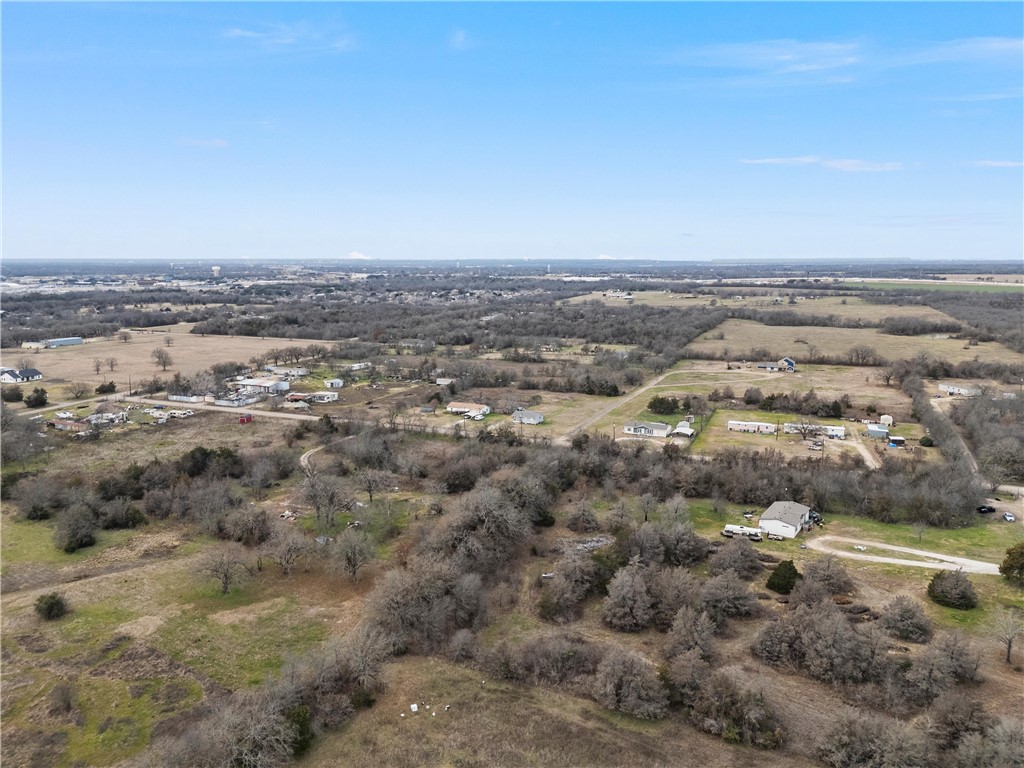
[[934, 560], [224, 409]]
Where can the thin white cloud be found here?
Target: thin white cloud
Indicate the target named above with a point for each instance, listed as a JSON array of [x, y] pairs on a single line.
[[298, 37], [799, 62], [998, 164], [357, 256], [975, 97], [205, 143], [977, 49], [236, 32], [773, 56], [861, 166], [459, 40], [847, 165], [803, 160]]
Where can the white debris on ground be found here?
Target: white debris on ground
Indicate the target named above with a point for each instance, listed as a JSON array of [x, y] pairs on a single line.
[[415, 708], [583, 545]]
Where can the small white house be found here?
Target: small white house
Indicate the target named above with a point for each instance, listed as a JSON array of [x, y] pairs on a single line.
[[13, 376], [885, 421], [785, 518], [647, 428], [334, 383], [786, 364], [528, 417]]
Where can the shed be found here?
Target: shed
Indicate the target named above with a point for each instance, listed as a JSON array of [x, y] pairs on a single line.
[[334, 383], [67, 341], [245, 418], [785, 518], [885, 421], [878, 432]]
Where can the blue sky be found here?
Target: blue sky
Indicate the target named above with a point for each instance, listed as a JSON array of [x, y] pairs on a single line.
[[470, 131]]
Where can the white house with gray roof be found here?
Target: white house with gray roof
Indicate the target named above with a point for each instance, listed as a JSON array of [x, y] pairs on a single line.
[[785, 518], [528, 417], [647, 428]]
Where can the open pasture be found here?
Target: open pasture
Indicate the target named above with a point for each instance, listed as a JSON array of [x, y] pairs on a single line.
[[992, 277], [844, 307], [739, 337], [190, 353], [933, 285]]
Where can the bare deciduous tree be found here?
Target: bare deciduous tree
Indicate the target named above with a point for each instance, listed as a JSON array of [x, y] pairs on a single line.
[[111, 363], [124, 336], [327, 497], [224, 564], [162, 358], [286, 547], [1006, 625], [78, 390], [374, 480], [737, 555], [629, 606], [353, 551], [97, 365], [627, 682]]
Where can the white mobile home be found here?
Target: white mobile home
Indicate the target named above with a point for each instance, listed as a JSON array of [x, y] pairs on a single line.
[[463, 408], [952, 389], [263, 386], [756, 427]]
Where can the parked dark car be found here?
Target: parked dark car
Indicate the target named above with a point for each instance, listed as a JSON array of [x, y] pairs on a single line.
[[986, 509]]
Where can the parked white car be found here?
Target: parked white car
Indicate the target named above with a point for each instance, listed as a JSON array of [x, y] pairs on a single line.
[[1009, 517]]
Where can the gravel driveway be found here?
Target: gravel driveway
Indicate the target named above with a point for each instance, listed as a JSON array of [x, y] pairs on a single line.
[[934, 560]]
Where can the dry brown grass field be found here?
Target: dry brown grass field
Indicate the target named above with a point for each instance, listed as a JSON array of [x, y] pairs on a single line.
[[505, 724], [740, 336], [190, 354], [987, 277], [846, 307]]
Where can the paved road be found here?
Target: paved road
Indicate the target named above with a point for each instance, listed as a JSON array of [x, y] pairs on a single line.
[[935, 560]]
